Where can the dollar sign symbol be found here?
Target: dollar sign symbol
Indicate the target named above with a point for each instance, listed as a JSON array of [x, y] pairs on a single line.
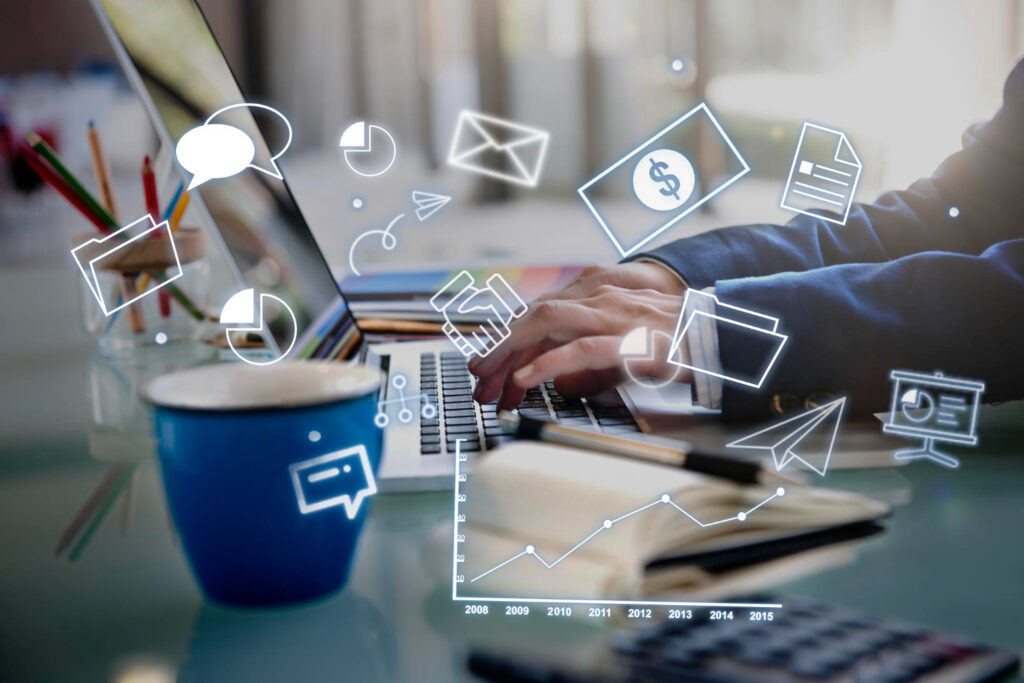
[[658, 175]]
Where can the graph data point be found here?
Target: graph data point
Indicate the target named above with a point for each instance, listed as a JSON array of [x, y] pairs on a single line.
[[741, 516], [529, 549], [607, 524], [314, 435], [780, 491], [665, 498]]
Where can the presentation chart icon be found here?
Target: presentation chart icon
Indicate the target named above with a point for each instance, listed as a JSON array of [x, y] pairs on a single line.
[[933, 407], [639, 350], [244, 313], [369, 149]]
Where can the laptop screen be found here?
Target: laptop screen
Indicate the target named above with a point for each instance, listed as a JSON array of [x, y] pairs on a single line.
[[183, 77]]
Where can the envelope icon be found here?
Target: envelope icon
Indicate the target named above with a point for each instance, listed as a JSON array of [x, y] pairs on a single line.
[[751, 338], [498, 148], [123, 248]]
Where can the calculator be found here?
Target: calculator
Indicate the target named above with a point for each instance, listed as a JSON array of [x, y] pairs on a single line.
[[805, 642]]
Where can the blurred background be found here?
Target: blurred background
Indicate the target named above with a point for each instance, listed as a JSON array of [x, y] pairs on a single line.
[[903, 78]]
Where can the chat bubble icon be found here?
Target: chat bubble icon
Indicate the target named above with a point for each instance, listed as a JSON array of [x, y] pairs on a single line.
[[214, 151], [218, 154], [342, 477]]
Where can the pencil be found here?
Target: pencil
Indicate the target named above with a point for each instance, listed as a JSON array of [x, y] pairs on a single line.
[[153, 207], [39, 159], [86, 512], [47, 153], [44, 171], [99, 169], [174, 201], [126, 283]]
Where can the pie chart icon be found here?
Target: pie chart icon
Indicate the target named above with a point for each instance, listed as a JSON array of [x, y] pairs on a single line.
[[640, 346], [369, 149], [247, 315]]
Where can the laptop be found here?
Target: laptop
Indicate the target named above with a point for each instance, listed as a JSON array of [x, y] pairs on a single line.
[[176, 66]]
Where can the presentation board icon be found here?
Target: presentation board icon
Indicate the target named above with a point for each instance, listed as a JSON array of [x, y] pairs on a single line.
[[823, 176], [341, 478], [113, 251], [808, 438], [428, 203], [933, 407], [369, 149], [659, 174], [703, 313], [498, 148], [244, 313]]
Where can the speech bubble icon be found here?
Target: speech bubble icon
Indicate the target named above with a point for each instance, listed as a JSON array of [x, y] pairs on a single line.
[[272, 170], [213, 151], [343, 478]]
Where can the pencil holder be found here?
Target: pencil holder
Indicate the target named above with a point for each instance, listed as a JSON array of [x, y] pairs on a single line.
[[143, 293]]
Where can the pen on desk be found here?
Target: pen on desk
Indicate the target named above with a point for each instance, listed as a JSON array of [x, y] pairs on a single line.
[[656, 451]]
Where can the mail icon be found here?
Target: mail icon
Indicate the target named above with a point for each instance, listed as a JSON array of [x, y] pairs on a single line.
[[703, 317], [120, 251], [498, 148]]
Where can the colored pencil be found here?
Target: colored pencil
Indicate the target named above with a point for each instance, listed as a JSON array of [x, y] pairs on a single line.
[[121, 482], [38, 160], [47, 153], [44, 171], [153, 207], [174, 201], [126, 283], [86, 512]]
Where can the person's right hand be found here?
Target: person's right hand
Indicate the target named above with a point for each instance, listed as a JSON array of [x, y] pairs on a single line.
[[573, 335]]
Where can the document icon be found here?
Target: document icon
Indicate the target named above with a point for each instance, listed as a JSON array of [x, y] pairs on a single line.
[[498, 148], [755, 333], [114, 251], [823, 176]]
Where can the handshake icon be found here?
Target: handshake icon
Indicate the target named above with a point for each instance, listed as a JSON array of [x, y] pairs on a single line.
[[496, 304]]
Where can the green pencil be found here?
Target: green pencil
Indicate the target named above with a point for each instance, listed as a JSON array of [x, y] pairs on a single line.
[[47, 152]]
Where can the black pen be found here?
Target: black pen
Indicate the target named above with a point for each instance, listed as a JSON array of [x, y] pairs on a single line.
[[658, 451]]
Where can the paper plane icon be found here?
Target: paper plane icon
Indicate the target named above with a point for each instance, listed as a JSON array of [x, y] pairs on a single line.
[[428, 203], [808, 437]]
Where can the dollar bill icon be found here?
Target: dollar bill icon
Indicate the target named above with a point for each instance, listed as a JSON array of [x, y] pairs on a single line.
[[659, 183]]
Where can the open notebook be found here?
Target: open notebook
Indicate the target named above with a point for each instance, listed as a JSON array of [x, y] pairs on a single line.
[[552, 522]]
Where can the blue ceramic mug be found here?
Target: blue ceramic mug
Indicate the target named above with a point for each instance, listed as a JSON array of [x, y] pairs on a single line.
[[269, 472]]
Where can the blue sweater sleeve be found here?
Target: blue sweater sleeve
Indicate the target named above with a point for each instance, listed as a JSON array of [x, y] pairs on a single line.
[[983, 181], [849, 325]]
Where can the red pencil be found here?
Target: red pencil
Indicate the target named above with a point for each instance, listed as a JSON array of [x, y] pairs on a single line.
[[153, 207], [56, 182]]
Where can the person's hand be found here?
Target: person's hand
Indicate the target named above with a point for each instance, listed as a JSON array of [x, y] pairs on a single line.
[[573, 335]]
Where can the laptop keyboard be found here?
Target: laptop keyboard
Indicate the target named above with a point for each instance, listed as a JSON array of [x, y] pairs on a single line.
[[445, 381]]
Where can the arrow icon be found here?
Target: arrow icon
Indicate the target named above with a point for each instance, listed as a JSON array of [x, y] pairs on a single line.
[[808, 437], [428, 203]]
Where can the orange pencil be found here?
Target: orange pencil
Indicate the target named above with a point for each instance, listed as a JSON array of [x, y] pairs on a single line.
[[99, 169]]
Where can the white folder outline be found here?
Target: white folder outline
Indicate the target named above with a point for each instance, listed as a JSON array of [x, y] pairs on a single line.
[[93, 280], [771, 328]]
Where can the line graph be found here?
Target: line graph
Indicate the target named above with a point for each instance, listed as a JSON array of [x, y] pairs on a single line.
[[664, 499], [459, 540]]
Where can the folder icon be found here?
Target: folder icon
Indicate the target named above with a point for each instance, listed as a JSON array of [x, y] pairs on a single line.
[[498, 148], [120, 252], [756, 334]]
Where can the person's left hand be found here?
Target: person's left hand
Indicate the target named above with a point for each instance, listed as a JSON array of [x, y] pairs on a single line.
[[573, 337]]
